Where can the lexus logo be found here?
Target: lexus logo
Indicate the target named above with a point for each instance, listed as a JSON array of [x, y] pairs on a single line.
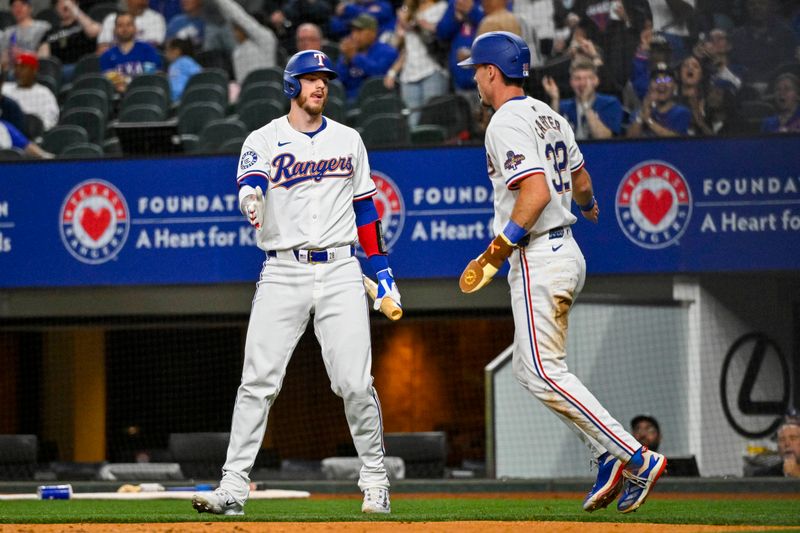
[[754, 374]]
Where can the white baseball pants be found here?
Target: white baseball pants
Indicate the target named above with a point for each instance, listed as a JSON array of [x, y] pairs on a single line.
[[545, 278], [287, 293]]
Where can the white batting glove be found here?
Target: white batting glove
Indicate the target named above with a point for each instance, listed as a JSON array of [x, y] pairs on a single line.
[[253, 208], [386, 287]]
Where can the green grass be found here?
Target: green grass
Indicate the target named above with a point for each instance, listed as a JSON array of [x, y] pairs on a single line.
[[756, 512]]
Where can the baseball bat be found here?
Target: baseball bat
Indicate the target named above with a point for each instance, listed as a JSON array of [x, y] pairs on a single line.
[[388, 307]]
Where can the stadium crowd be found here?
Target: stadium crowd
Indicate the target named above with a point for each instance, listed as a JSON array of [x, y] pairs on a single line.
[[614, 68]]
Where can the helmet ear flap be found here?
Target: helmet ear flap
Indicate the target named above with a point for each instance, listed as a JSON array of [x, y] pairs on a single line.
[[291, 87]]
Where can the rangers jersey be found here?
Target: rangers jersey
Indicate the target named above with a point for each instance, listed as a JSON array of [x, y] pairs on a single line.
[[310, 182], [526, 138]]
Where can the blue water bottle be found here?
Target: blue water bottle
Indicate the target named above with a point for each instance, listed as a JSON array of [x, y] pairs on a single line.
[[54, 492]]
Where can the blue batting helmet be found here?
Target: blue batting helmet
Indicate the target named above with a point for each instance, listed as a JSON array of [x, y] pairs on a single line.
[[505, 50], [305, 62]]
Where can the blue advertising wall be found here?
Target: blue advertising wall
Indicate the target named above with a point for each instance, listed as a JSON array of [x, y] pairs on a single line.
[[677, 206]]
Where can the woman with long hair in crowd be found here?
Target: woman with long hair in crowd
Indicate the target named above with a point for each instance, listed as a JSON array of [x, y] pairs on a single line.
[[418, 69], [693, 84]]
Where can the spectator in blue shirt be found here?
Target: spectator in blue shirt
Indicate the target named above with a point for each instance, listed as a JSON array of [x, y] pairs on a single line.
[[190, 24], [787, 102], [457, 27], [11, 137], [168, 8], [362, 55], [660, 116], [348, 11], [592, 115], [182, 65], [129, 57]]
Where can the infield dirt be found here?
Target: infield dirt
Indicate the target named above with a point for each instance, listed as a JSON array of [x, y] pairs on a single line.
[[380, 527]]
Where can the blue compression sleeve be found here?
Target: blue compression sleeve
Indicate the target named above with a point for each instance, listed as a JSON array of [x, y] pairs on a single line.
[[365, 211]]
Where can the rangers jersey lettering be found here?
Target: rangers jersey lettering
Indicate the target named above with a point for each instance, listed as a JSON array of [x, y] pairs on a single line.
[[289, 172]]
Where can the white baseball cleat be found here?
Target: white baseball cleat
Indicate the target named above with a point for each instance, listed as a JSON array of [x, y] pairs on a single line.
[[218, 502], [376, 500], [638, 483]]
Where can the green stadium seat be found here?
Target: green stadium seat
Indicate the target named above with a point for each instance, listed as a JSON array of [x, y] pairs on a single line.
[[428, 134], [88, 64], [83, 150], [257, 113], [386, 129], [59, 137], [263, 90], [94, 81], [450, 111], [271, 75], [216, 132], [150, 95], [204, 93], [142, 113], [209, 76], [372, 87], [336, 110], [336, 90], [387, 103], [157, 80], [87, 98], [90, 119], [51, 66], [193, 117]]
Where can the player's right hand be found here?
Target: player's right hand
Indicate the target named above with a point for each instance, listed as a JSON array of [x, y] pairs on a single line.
[[481, 270], [252, 205]]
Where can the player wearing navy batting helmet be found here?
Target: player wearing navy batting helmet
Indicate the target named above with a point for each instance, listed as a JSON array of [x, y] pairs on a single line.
[[537, 170], [503, 49], [305, 62], [306, 187]]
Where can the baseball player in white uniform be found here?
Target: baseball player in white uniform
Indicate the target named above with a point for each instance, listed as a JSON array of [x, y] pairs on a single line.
[[305, 185], [537, 169]]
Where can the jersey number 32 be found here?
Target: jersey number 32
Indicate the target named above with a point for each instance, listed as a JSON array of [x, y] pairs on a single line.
[[557, 155]]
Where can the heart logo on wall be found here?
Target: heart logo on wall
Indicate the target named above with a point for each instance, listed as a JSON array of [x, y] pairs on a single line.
[[94, 222], [654, 205]]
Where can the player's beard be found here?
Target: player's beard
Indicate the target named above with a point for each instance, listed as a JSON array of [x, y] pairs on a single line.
[[312, 109], [481, 99]]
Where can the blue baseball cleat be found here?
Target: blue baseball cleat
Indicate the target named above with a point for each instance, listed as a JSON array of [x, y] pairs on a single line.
[[639, 481], [607, 485]]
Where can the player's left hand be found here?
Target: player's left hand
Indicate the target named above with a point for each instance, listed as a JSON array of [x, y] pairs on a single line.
[[386, 288], [593, 214], [481, 270]]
